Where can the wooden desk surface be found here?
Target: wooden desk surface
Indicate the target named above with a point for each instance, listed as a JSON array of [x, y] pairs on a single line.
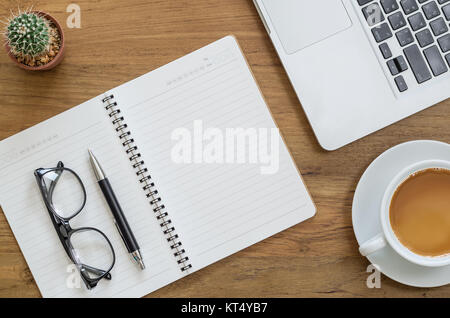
[[120, 40]]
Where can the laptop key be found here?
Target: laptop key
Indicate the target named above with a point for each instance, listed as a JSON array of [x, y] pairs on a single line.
[[409, 6], [404, 37], [447, 57], [385, 50], [417, 21], [424, 38], [438, 26], [397, 20], [397, 65], [446, 10], [372, 14], [444, 43], [392, 67], [401, 84], [401, 63], [431, 10], [417, 63], [389, 5], [435, 60], [381, 32]]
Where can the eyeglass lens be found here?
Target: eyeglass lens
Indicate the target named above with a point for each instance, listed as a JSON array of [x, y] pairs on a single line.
[[91, 248], [66, 195]]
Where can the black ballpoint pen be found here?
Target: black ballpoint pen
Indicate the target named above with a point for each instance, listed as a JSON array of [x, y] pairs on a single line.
[[119, 217]]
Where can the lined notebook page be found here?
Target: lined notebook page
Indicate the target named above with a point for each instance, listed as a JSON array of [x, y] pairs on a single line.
[[67, 137], [217, 209]]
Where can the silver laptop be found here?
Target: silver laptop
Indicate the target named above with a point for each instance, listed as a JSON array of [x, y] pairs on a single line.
[[360, 65]]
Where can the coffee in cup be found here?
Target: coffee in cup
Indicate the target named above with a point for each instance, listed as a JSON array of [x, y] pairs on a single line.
[[419, 212], [415, 215]]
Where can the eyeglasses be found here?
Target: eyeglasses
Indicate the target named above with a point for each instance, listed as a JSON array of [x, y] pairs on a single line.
[[89, 249]]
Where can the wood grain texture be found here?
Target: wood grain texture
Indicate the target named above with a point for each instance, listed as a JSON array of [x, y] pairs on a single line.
[[120, 40]]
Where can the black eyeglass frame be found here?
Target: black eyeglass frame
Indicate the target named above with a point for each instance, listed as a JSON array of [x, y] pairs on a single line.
[[65, 231]]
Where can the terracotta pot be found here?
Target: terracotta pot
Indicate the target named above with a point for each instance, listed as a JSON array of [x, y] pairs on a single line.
[[56, 60]]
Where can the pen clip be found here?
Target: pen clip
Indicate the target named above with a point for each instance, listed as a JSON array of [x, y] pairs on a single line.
[[123, 238]]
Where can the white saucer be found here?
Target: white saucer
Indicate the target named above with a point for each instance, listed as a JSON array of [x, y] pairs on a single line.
[[366, 211]]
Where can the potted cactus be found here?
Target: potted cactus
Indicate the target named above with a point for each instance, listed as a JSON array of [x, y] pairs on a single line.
[[34, 40]]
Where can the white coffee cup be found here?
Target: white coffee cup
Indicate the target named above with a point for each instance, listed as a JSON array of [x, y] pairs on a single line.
[[388, 236]]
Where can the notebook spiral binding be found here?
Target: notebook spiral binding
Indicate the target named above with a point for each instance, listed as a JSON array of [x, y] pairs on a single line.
[[145, 179]]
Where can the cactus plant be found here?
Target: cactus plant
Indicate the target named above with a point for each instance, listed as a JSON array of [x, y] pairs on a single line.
[[27, 34], [34, 40]]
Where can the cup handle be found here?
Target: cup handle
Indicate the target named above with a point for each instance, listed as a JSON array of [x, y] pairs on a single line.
[[374, 244]]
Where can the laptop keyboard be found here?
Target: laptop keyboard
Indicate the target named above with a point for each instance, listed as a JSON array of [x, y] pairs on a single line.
[[421, 32]]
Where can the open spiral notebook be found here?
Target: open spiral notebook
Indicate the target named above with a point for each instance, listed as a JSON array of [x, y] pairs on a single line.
[[185, 216]]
